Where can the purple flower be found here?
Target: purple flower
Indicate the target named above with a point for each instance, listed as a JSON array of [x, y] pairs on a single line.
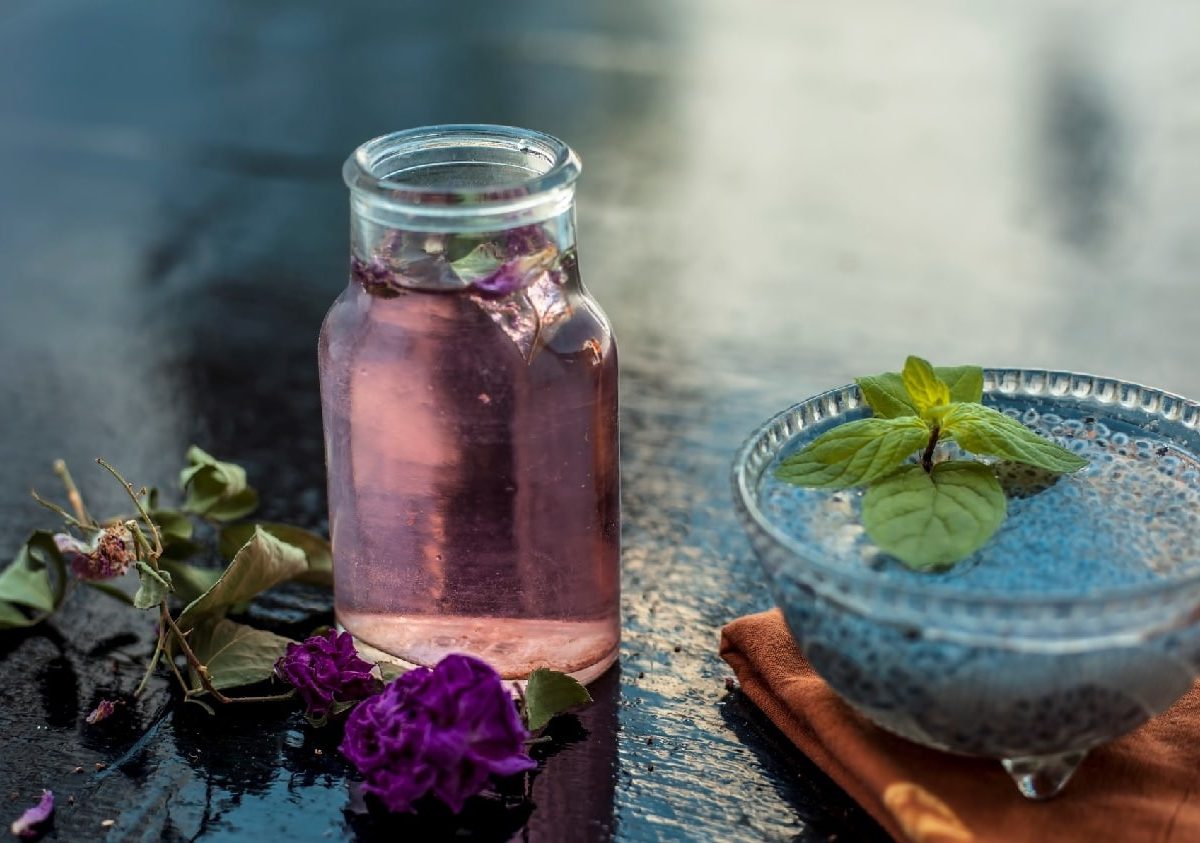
[[525, 240], [327, 672], [374, 275], [445, 732], [108, 555], [103, 710], [25, 826]]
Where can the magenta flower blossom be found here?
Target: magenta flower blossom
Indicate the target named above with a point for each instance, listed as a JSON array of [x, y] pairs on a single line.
[[327, 673], [108, 555], [26, 825], [444, 732]]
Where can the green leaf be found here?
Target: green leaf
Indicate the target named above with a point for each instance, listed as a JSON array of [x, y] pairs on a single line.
[[177, 550], [479, 263], [216, 489], [235, 506], [172, 524], [41, 551], [965, 382], [231, 475], [389, 671], [888, 398], [932, 520], [316, 549], [37, 577], [456, 246], [176, 529], [983, 430], [154, 588], [264, 562], [854, 453], [233, 653], [886, 395], [190, 581], [549, 693], [923, 385], [13, 618], [28, 587], [110, 590]]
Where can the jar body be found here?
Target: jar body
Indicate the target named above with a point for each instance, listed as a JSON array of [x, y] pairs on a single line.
[[472, 449]]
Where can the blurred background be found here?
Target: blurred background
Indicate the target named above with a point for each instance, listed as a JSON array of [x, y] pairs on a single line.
[[781, 190], [776, 197]]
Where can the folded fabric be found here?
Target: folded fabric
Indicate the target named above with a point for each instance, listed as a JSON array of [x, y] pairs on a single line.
[[1142, 787]]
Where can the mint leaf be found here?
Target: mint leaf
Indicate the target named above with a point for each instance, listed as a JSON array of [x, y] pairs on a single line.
[[983, 430], [479, 263], [886, 395], [316, 548], [931, 520], [549, 693], [234, 654], [453, 246], [923, 385], [965, 382], [264, 562], [154, 588], [855, 452]]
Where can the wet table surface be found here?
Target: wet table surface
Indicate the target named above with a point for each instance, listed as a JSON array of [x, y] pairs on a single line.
[[776, 197]]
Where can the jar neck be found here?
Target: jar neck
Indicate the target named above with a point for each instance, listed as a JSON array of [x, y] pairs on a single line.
[[495, 263], [457, 207]]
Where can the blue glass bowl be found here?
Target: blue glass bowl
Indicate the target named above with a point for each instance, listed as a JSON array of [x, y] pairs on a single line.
[[1077, 622]]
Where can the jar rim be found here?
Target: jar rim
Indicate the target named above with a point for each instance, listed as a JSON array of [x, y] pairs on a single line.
[[550, 165]]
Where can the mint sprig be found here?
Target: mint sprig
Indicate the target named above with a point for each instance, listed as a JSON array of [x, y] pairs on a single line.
[[855, 453], [927, 515]]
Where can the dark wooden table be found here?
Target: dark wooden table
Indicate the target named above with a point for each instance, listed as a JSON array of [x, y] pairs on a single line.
[[776, 197]]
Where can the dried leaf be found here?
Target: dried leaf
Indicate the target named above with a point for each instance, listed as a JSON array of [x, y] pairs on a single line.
[[235, 654], [316, 548], [263, 562]]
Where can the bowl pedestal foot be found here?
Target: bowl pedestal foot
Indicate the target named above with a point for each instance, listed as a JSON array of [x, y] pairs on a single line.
[[1043, 776]]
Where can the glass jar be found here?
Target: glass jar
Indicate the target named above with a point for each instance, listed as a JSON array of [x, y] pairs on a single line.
[[469, 396]]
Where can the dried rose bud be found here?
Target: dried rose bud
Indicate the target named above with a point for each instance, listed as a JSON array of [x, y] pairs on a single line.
[[327, 673], [26, 825], [103, 710], [108, 555]]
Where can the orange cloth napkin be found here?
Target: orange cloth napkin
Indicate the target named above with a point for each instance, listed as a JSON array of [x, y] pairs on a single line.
[[1144, 787]]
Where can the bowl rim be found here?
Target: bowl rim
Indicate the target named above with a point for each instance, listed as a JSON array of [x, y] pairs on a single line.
[[1001, 381]]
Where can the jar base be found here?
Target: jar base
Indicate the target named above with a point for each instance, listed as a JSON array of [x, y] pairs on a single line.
[[515, 647]]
